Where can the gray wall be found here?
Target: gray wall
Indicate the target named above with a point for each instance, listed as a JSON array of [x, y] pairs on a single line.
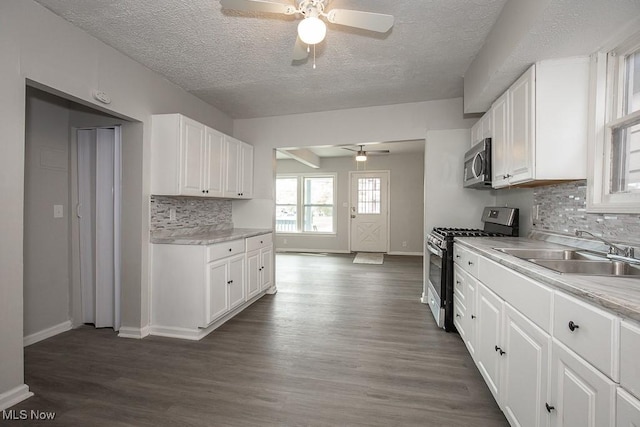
[[46, 239], [405, 204]]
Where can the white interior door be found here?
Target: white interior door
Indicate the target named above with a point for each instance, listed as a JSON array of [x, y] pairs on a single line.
[[369, 211], [99, 182]]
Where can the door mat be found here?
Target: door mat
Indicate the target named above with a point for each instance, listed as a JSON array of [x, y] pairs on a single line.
[[368, 258]]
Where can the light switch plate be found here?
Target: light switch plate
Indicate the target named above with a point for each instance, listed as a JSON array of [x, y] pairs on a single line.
[[58, 211]]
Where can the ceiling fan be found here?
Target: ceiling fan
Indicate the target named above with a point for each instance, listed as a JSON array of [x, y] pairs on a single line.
[[312, 29], [361, 155]]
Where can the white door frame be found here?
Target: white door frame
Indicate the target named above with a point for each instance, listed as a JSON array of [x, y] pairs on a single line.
[[351, 202]]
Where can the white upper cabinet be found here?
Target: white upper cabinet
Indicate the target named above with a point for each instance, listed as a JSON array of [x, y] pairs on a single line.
[[482, 129], [539, 125], [191, 159], [239, 169]]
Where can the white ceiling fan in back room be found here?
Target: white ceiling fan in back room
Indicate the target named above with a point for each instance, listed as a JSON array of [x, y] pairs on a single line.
[[361, 154], [312, 29]]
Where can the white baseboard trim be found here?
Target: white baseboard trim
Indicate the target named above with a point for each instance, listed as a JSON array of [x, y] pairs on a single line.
[[135, 333], [423, 298], [14, 396], [47, 333], [406, 253], [313, 251], [196, 334]]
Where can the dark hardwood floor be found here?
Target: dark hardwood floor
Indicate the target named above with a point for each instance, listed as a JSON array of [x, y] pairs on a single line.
[[339, 344]]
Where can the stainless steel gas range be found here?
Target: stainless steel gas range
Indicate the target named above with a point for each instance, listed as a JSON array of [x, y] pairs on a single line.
[[498, 221]]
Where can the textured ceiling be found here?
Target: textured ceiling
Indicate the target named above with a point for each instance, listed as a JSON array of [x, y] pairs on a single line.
[[241, 63]]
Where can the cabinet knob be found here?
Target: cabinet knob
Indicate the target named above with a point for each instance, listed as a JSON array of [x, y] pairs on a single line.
[[572, 326], [549, 407], [458, 315], [457, 282], [457, 256], [470, 263], [473, 316], [230, 249], [261, 242], [203, 191], [498, 349], [207, 191]]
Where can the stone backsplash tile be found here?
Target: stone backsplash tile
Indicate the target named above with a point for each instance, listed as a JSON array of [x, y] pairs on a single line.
[[563, 209], [191, 212]]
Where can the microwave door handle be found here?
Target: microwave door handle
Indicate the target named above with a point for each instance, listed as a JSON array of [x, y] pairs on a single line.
[[473, 165]]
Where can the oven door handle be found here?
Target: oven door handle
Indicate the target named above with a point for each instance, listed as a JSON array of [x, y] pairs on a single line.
[[435, 251]]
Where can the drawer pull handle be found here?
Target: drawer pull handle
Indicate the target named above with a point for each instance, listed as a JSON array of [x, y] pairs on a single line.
[[470, 263], [500, 350], [229, 282], [457, 282], [458, 315], [457, 256], [572, 326], [549, 407], [473, 316]]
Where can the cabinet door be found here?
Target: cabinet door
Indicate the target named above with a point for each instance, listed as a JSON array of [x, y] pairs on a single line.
[[192, 174], [214, 163], [232, 167], [471, 298], [627, 409], [253, 281], [487, 119], [580, 394], [522, 128], [476, 132], [217, 299], [246, 180], [236, 281], [499, 149], [524, 389], [489, 347], [266, 278]]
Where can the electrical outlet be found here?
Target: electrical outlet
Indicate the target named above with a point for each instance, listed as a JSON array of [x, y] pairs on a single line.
[[58, 211], [404, 244], [172, 214]]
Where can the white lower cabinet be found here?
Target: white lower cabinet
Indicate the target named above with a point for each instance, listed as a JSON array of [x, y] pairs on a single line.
[[627, 409], [524, 388], [580, 394], [226, 288], [552, 362], [195, 288]]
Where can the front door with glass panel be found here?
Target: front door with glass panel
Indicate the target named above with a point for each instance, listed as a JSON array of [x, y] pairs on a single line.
[[368, 211]]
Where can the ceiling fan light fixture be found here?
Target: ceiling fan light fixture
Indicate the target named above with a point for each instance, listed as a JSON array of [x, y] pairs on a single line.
[[312, 30], [361, 156]]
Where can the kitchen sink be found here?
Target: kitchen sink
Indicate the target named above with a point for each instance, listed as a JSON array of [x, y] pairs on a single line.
[[550, 254], [602, 268]]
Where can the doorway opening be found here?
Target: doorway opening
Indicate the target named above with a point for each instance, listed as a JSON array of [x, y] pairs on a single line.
[[72, 178]]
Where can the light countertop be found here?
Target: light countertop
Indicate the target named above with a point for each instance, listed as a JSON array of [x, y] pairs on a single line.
[[620, 295], [205, 236]]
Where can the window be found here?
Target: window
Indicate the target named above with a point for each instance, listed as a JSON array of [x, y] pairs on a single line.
[[615, 180], [305, 204], [368, 195]]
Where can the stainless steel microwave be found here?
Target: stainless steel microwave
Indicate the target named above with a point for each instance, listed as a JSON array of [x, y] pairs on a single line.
[[477, 166]]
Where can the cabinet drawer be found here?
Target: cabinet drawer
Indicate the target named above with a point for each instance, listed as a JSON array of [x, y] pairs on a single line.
[[459, 282], [629, 351], [527, 296], [459, 320], [226, 249], [258, 242], [466, 259], [589, 331]]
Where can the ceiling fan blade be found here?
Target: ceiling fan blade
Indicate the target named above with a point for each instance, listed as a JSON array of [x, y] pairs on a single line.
[[300, 50], [258, 6], [366, 20]]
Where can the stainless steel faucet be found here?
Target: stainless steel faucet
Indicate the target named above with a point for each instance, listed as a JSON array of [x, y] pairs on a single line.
[[626, 252]]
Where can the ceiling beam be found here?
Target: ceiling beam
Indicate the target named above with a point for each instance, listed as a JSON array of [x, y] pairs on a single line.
[[306, 157]]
